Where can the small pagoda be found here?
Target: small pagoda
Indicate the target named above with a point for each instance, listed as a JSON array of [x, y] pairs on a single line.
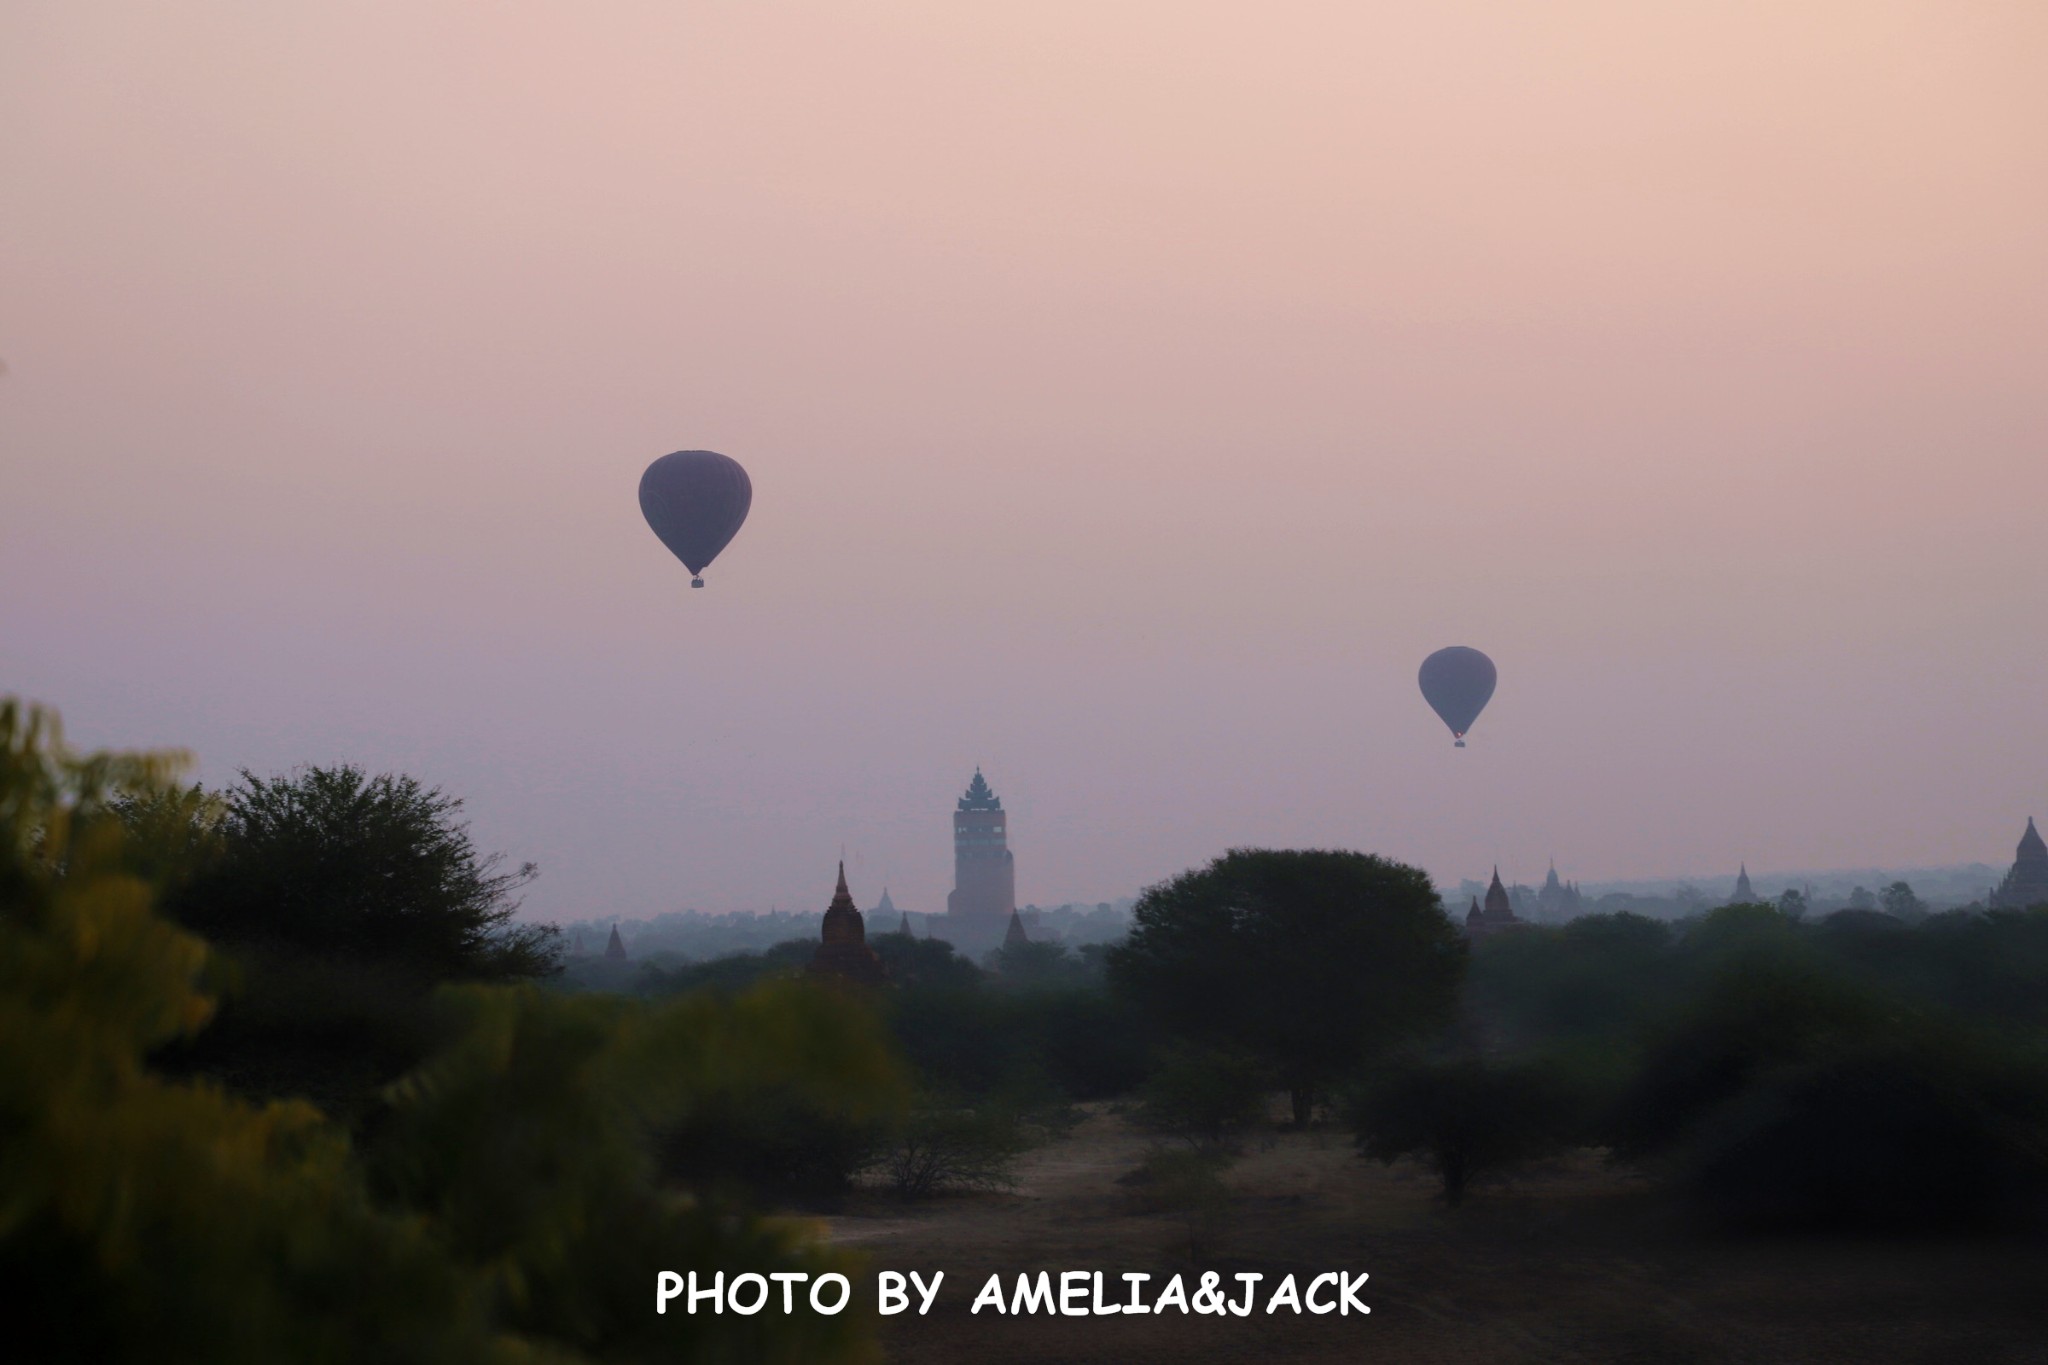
[[2026, 885], [1497, 914], [844, 951]]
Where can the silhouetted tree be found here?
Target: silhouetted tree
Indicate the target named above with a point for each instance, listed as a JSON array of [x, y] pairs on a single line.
[[1207, 1099], [1308, 959], [330, 860], [1898, 901], [1465, 1116]]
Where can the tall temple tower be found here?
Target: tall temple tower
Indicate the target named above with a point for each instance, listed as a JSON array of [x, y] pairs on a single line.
[[984, 875]]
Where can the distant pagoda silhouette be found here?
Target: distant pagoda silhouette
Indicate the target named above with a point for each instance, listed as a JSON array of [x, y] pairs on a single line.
[[1497, 914], [615, 949], [1744, 894], [984, 874], [843, 951], [1558, 901], [1015, 935], [2026, 885]]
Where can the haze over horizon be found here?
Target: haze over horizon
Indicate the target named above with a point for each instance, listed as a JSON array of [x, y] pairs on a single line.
[[1133, 396]]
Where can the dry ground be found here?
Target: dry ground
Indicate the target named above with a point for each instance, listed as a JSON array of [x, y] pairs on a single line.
[[1570, 1263]]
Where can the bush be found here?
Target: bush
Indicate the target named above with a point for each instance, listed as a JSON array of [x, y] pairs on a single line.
[[1310, 959], [1466, 1117], [940, 1149], [1209, 1100], [1785, 1101], [504, 1210], [333, 862]]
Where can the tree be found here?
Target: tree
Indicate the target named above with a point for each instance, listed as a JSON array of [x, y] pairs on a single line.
[[1465, 1116], [506, 1215], [1206, 1099], [330, 861], [340, 902], [941, 1147], [1898, 901], [1787, 1099], [1310, 960]]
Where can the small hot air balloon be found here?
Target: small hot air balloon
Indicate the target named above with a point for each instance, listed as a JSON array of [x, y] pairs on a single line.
[[695, 500], [1457, 683]]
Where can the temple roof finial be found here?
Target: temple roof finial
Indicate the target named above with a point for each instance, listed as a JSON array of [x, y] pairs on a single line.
[[980, 796]]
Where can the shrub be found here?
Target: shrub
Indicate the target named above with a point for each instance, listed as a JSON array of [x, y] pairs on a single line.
[[1208, 1100], [1466, 1117], [939, 1149]]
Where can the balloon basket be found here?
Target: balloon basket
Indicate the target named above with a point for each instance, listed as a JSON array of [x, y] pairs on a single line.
[[696, 582], [1459, 745]]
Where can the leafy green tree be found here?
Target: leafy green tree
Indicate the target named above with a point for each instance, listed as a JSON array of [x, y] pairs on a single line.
[[508, 1212], [1465, 1116], [141, 1219], [340, 901], [1310, 960], [530, 1146]]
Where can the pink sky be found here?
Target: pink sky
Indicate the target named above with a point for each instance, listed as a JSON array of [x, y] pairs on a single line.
[[1134, 393]]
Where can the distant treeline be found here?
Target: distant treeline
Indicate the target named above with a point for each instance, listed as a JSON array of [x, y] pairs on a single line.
[[1815, 893]]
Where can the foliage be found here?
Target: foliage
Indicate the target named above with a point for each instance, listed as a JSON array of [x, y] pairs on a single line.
[[506, 1211], [333, 862], [1898, 901], [1597, 977], [942, 1147], [1311, 960], [1207, 1099], [529, 1145], [923, 963], [1035, 965], [341, 902], [1466, 1116], [141, 1219], [1783, 1099], [735, 973]]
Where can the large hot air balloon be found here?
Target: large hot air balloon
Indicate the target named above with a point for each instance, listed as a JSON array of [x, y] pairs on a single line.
[[695, 500], [1457, 683]]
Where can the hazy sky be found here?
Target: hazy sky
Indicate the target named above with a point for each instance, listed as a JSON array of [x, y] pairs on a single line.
[[1133, 393]]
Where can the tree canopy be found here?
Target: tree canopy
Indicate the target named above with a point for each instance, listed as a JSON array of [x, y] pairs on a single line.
[[333, 861], [1309, 959]]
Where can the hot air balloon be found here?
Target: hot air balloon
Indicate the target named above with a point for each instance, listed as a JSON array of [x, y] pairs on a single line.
[[695, 500], [1457, 683]]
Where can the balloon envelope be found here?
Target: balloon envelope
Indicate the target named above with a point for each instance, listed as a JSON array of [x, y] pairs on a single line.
[[1457, 683], [695, 500]]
